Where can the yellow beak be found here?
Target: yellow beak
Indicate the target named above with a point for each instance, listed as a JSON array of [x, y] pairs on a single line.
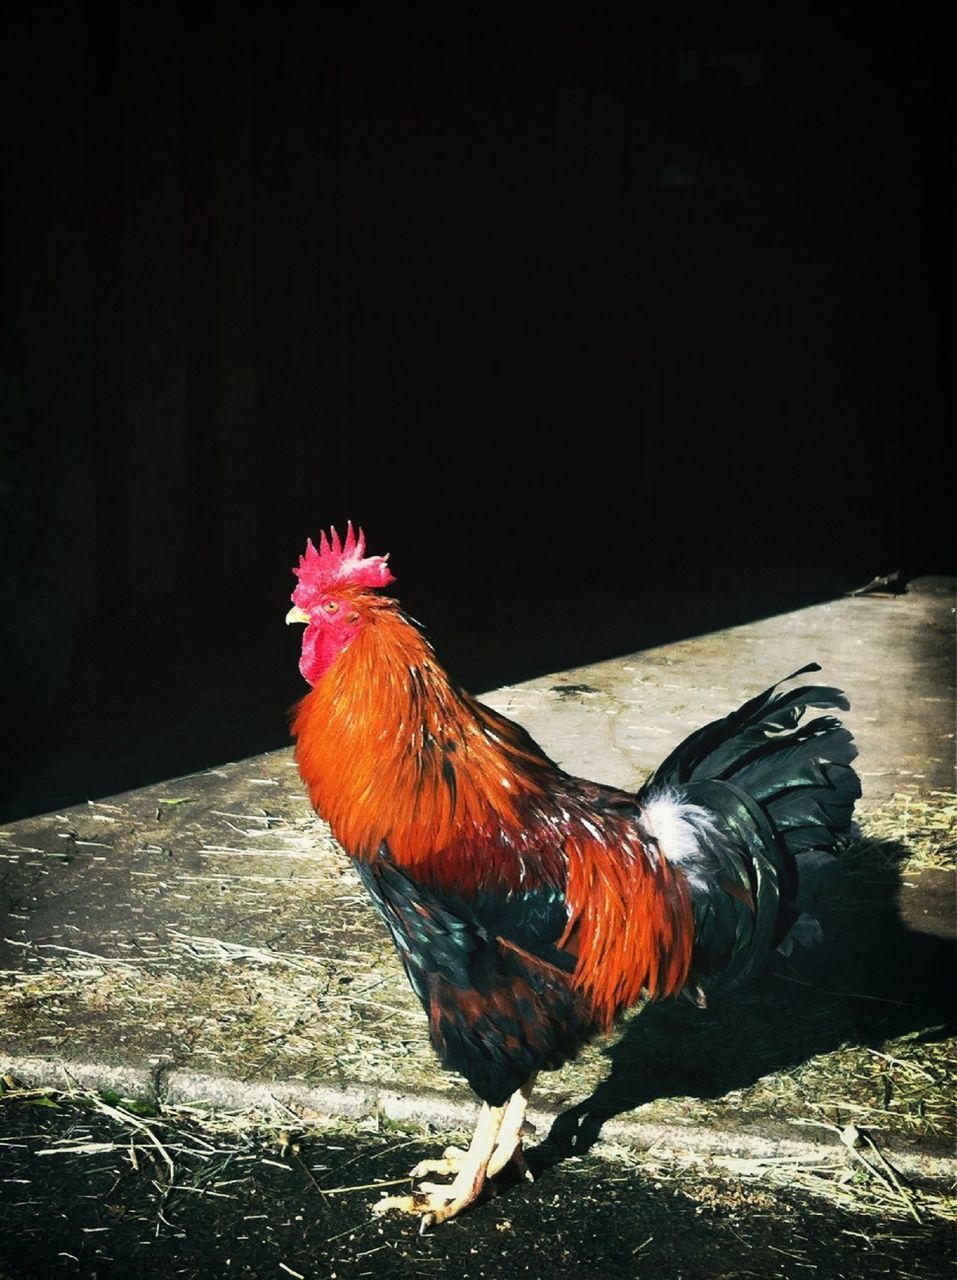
[[296, 614]]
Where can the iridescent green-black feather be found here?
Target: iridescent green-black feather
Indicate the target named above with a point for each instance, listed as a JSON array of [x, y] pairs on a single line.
[[773, 790], [488, 974]]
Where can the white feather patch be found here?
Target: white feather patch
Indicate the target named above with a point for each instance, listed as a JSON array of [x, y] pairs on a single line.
[[685, 833]]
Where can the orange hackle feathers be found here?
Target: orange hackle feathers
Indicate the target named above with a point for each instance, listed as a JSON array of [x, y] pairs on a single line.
[[392, 752], [630, 923]]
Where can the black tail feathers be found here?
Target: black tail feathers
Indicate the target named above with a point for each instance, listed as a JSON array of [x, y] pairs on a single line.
[[800, 774], [775, 789]]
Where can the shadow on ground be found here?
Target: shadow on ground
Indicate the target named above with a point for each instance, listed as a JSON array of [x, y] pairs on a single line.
[[870, 980]]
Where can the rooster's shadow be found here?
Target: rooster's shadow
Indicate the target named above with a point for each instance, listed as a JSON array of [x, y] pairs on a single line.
[[870, 979]]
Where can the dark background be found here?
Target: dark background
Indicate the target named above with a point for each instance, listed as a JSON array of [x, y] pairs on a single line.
[[611, 323]]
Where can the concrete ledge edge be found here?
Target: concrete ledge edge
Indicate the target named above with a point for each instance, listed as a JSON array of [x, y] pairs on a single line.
[[172, 1086]]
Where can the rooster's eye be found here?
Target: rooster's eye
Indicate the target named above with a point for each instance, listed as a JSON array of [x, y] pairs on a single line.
[[331, 606]]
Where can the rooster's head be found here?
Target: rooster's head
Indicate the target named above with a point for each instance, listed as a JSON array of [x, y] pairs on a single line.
[[333, 597]]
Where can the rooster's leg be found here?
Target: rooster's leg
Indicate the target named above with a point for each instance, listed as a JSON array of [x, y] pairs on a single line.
[[438, 1202], [508, 1145]]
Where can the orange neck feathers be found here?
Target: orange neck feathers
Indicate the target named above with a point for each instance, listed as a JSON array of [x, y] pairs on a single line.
[[392, 751]]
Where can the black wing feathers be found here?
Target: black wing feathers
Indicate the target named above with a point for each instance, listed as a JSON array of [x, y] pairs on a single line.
[[492, 982]]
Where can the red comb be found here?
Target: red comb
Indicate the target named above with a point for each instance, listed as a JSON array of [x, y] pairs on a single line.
[[337, 563]]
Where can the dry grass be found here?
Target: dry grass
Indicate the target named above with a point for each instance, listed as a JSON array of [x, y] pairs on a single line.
[[925, 826], [855, 1176], [905, 1089]]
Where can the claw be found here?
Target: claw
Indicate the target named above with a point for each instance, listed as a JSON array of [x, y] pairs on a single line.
[[518, 1160]]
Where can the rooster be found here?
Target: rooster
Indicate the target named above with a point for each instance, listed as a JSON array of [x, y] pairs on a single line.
[[530, 907]]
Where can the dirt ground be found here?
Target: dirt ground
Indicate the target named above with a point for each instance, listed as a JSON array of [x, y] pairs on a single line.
[[84, 1194]]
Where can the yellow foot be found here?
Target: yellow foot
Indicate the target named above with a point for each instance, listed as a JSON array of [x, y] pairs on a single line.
[[449, 1164], [435, 1202], [496, 1141]]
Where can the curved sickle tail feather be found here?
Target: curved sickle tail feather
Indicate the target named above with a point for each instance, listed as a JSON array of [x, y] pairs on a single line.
[[740, 804]]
